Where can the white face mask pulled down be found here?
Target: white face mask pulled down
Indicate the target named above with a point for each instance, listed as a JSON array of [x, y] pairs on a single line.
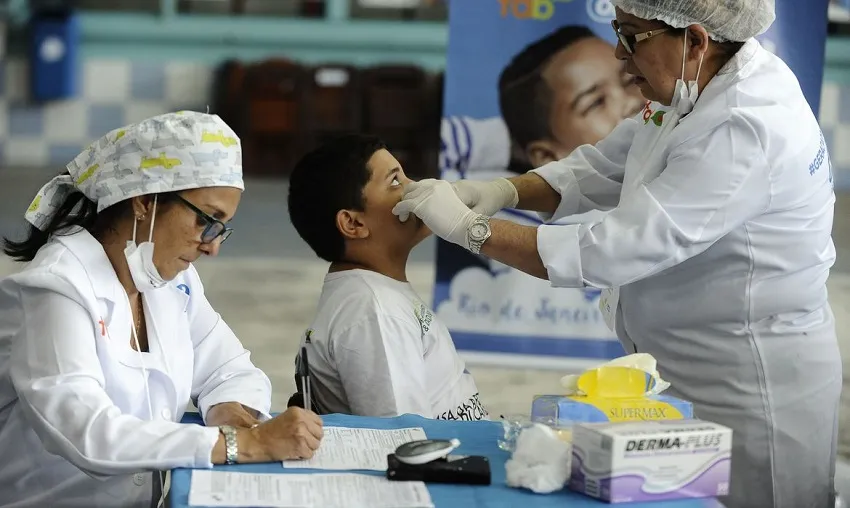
[[685, 97], [140, 260]]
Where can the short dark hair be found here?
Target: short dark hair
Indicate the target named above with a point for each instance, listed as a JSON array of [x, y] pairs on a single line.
[[525, 99], [75, 213], [326, 180]]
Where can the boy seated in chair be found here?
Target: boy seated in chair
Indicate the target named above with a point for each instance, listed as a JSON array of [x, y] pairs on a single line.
[[375, 348]]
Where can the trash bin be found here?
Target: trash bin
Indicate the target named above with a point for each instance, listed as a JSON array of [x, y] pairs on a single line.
[[54, 54]]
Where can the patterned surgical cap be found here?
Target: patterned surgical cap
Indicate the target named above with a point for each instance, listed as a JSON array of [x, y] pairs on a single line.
[[166, 153]]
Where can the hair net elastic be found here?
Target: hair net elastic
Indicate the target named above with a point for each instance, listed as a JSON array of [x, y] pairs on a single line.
[[724, 20], [166, 153]]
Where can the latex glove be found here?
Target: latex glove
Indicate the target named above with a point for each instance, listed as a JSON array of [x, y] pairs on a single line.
[[487, 197], [439, 208], [541, 461]]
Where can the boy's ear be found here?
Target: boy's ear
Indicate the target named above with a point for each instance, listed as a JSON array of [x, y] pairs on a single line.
[[350, 223], [540, 153]]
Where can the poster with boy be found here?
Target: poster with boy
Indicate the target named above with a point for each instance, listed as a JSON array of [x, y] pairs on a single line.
[[528, 81]]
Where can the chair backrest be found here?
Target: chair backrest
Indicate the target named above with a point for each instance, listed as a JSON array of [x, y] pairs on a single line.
[[274, 90], [394, 98], [431, 128], [333, 102], [273, 117], [297, 400], [228, 93]]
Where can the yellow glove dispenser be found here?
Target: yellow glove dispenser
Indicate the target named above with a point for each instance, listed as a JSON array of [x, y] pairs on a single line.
[[625, 389]]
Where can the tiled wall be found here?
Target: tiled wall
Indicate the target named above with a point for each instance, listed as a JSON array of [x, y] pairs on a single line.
[[113, 93], [117, 92]]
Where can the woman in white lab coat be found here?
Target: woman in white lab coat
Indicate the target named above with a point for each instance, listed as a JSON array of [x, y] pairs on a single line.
[[106, 335], [718, 237]]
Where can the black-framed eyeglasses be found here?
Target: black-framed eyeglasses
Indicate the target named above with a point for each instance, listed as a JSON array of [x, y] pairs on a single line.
[[629, 41], [214, 228]]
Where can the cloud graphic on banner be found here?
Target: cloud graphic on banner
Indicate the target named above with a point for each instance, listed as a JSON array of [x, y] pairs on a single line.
[[513, 303]]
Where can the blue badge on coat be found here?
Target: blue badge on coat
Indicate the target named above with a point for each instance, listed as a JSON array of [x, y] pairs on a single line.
[[184, 288]]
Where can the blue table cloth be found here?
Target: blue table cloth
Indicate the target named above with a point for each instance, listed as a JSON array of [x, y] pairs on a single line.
[[477, 438]]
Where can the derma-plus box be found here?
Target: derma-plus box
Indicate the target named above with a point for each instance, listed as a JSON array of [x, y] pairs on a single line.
[[651, 460]]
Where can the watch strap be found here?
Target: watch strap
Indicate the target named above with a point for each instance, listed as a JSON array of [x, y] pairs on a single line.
[[231, 447], [475, 244]]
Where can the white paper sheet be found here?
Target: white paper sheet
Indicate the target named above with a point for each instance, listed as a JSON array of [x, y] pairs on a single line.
[[222, 488], [343, 448]]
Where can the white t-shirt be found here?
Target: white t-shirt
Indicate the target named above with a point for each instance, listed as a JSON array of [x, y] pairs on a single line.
[[377, 350]]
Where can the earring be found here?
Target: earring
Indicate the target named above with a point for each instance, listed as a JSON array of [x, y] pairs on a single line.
[[140, 218]]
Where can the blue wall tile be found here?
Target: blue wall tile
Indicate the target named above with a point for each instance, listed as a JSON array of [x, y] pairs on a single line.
[[147, 81], [25, 120], [61, 155], [104, 118]]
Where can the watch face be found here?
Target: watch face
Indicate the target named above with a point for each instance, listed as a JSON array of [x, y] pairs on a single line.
[[478, 231]]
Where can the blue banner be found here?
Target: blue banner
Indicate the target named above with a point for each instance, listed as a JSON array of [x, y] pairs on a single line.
[[527, 81], [798, 36]]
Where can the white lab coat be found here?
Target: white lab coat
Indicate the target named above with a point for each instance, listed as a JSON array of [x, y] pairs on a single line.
[[722, 253], [75, 429]]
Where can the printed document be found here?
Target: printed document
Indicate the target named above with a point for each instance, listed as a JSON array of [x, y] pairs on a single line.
[[344, 448], [340, 490]]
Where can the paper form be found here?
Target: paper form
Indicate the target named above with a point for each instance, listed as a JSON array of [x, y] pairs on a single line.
[[343, 448], [222, 488]]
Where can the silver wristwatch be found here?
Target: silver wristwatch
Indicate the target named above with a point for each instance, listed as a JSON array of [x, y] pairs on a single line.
[[478, 233], [231, 448]]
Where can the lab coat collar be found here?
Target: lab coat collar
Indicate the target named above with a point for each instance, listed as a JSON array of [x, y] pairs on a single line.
[[89, 251], [744, 56]]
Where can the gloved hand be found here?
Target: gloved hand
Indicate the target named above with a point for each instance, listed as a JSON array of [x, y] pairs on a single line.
[[437, 205], [487, 197]]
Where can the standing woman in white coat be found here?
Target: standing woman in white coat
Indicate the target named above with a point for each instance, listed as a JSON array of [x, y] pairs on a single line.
[[718, 237], [105, 335]]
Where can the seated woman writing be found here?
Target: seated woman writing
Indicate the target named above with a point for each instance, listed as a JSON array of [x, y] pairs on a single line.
[[106, 335]]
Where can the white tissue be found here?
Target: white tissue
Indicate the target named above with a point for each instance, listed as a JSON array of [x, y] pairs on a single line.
[[540, 462], [640, 361]]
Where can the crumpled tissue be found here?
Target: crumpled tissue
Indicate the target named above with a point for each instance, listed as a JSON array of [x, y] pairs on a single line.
[[540, 462], [633, 375]]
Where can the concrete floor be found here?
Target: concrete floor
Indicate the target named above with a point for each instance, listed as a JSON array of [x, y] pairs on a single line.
[[266, 283]]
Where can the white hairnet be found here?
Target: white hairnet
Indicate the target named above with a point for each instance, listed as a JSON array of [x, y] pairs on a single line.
[[724, 20], [166, 153]]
